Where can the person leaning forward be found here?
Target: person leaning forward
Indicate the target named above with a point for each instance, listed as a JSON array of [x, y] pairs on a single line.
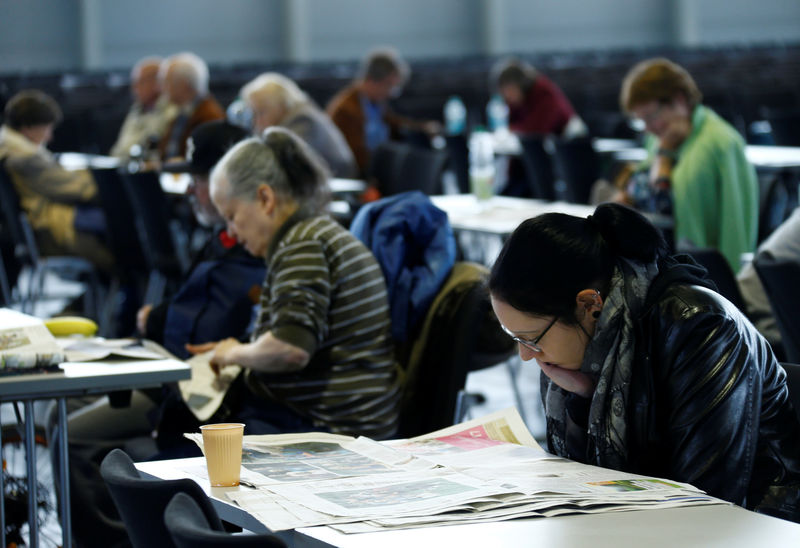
[[321, 356]]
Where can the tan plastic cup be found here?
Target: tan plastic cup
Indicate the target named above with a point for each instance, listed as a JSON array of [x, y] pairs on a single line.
[[222, 444]]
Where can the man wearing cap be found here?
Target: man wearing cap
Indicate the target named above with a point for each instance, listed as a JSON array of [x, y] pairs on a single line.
[[223, 284]]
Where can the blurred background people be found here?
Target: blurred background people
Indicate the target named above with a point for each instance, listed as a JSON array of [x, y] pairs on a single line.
[[60, 204], [150, 113], [361, 110], [185, 82], [276, 100], [697, 164], [535, 104]]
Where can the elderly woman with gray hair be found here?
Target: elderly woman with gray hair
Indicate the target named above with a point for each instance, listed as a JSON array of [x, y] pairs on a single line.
[[321, 356], [276, 100]]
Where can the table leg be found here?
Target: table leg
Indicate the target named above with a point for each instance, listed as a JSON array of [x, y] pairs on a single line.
[[30, 457], [2, 502], [63, 450]]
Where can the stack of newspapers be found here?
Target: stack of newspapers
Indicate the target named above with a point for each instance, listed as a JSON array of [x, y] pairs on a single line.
[[488, 469]]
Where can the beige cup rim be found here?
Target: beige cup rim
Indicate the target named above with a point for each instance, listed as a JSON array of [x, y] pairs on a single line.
[[222, 426]]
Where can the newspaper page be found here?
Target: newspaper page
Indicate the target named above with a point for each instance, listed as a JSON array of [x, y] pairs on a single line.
[[26, 344], [99, 348], [487, 469], [204, 391]]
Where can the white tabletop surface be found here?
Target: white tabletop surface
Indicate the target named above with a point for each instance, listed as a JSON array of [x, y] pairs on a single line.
[[721, 525], [93, 377]]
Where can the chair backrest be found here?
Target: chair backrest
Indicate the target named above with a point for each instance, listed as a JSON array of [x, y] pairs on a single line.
[[189, 528], [141, 502], [458, 150], [793, 383], [385, 163], [13, 220], [780, 280], [120, 220], [421, 170], [577, 165], [779, 199], [538, 167], [446, 349], [720, 273], [152, 224]]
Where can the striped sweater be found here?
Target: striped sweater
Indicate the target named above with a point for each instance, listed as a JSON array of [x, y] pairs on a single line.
[[324, 292]]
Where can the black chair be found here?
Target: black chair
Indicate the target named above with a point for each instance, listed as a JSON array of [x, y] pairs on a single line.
[[141, 502], [458, 150], [459, 334], [19, 232], [779, 198], [385, 164], [720, 272], [421, 170], [189, 527], [163, 244], [538, 167], [793, 383], [780, 280], [576, 164]]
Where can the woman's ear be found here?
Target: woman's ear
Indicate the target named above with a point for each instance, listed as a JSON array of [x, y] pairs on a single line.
[[590, 302], [265, 197]]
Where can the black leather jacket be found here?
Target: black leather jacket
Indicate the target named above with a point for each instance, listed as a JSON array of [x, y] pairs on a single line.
[[709, 404]]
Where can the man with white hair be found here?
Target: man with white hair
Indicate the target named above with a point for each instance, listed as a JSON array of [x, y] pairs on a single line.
[[276, 100], [150, 113], [185, 80]]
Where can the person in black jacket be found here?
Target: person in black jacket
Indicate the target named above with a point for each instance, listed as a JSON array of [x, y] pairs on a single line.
[[646, 368]]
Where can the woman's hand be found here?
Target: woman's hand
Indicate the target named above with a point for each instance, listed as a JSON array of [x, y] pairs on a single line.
[[195, 349], [224, 354], [570, 380]]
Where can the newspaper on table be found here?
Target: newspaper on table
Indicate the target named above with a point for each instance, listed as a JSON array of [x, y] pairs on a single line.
[[487, 469], [26, 344], [99, 348]]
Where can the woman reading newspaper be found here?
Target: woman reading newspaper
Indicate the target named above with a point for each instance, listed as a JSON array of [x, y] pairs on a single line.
[[646, 368]]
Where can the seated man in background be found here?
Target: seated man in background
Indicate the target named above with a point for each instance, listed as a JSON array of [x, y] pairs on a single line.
[[150, 113], [697, 166], [321, 356], [60, 204], [275, 100], [535, 104], [185, 82], [361, 110], [222, 286]]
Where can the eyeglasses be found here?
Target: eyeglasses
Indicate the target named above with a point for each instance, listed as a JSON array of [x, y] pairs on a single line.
[[531, 344]]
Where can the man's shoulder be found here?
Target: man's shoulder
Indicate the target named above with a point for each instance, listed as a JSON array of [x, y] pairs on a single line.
[[346, 101]]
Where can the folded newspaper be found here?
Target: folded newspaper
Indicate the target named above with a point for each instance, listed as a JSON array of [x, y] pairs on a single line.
[[26, 345], [487, 469]]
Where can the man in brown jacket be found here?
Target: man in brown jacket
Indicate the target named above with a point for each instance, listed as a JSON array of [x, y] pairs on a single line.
[[361, 111], [185, 81]]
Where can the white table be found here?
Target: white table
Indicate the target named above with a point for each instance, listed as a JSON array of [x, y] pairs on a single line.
[[75, 379], [699, 526]]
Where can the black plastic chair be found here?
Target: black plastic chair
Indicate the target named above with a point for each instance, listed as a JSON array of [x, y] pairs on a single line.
[[163, 244], [793, 383], [189, 527], [421, 170], [720, 272], [458, 150], [576, 163], [459, 334], [779, 199], [780, 280], [538, 167], [385, 164], [141, 502]]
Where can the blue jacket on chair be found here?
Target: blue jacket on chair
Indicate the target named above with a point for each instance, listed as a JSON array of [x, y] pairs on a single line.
[[414, 244]]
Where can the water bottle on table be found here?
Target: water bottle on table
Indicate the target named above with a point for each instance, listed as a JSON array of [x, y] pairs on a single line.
[[481, 164]]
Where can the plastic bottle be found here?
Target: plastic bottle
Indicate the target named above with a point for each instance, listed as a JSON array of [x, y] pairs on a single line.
[[481, 164], [497, 113], [455, 116]]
